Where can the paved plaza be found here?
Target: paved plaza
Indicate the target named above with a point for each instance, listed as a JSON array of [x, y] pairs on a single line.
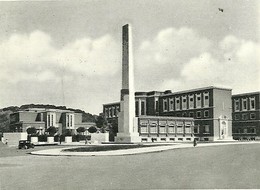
[[230, 166]]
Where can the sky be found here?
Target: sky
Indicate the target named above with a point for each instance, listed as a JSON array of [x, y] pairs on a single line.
[[69, 52]]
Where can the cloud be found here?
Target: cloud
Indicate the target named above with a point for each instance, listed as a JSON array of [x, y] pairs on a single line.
[[75, 70], [163, 57]]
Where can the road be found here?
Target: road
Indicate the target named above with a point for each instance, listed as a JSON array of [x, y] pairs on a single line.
[[231, 166]]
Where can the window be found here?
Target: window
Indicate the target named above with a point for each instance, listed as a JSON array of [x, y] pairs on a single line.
[[49, 121], [156, 105], [144, 129], [206, 129], [142, 108], [191, 114], [206, 113], [244, 104], [106, 112], [177, 103], [237, 117], [245, 131], [198, 100], [191, 101], [112, 111], [179, 129], [184, 114], [237, 106], [252, 103], [136, 108], [71, 120], [252, 116], [184, 102], [117, 110], [171, 104], [68, 122], [253, 130], [52, 120], [171, 129], [153, 128], [206, 99], [162, 129], [164, 105], [244, 116], [187, 129], [196, 129], [198, 114]]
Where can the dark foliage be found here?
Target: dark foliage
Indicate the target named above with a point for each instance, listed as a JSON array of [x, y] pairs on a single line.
[[92, 129]]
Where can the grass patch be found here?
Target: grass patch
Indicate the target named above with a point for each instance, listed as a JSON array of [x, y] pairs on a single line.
[[97, 148]]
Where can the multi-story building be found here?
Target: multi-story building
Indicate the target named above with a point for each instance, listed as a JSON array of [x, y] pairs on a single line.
[[246, 116], [42, 119], [210, 108]]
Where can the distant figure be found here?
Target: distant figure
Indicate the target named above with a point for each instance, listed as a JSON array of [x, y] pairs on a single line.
[[86, 141], [194, 142], [60, 140], [6, 141], [221, 10]]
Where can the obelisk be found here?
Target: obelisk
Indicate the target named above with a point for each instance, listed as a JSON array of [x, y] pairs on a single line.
[[127, 123]]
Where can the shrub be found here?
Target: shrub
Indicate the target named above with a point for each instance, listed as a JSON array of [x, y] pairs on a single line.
[[92, 129], [51, 130]]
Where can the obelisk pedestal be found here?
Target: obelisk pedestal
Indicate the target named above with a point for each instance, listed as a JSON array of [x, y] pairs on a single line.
[[127, 122]]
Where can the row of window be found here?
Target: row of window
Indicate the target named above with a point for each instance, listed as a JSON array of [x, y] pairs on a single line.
[[186, 102], [199, 114], [69, 120], [203, 129], [244, 104], [245, 116], [248, 130], [50, 120], [163, 129]]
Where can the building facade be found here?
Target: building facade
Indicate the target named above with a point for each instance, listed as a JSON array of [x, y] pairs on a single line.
[[210, 107], [246, 116], [42, 119]]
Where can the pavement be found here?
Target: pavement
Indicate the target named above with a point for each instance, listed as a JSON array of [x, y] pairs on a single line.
[[162, 147]]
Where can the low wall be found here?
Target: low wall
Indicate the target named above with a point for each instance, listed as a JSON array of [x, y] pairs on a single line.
[[99, 137], [14, 138]]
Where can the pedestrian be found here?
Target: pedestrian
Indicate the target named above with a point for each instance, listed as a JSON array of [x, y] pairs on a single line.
[[6, 141], [60, 139], [194, 142]]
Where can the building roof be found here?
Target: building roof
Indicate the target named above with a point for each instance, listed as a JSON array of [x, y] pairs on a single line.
[[246, 94]]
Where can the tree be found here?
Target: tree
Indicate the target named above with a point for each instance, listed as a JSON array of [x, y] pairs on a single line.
[[92, 129], [81, 130], [101, 121], [52, 130], [31, 131]]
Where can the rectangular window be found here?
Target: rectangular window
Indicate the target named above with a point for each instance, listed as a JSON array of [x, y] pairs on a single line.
[[252, 103], [184, 114], [253, 130], [171, 104], [156, 106], [117, 110], [198, 114], [179, 129], [177, 103], [191, 114], [237, 117], [142, 108], [106, 112], [144, 129], [71, 120], [237, 105], [206, 113], [244, 104], [198, 100], [153, 128], [187, 129], [252, 116], [171, 129], [113, 111], [206, 99], [244, 116], [196, 129], [136, 108], [245, 130], [184, 102], [162, 129], [68, 119], [206, 129], [165, 105], [191, 101], [52, 120], [49, 121]]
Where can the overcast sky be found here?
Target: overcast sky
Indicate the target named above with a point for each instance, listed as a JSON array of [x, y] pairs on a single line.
[[69, 53]]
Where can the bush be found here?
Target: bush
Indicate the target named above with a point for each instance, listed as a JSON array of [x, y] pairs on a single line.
[[92, 129], [51, 130], [42, 138]]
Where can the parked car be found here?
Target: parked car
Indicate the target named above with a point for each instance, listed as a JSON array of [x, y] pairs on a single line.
[[25, 144]]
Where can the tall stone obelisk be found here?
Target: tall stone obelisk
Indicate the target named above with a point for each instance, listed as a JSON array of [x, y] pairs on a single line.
[[127, 123]]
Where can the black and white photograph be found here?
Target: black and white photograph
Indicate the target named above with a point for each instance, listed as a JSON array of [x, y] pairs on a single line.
[[139, 94]]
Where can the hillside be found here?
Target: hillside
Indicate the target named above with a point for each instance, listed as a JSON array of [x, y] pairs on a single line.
[[5, 113]]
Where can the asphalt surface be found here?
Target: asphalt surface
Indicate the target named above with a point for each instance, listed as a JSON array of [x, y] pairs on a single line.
[[222, 167]]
